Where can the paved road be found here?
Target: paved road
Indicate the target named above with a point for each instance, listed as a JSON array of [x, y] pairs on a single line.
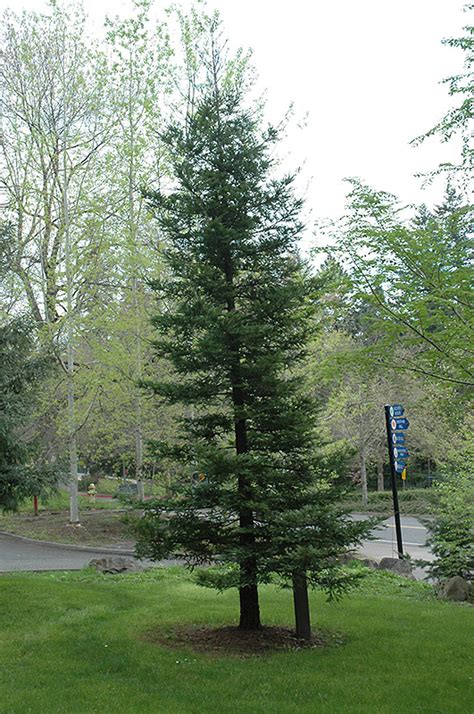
[[414, 535], [16, 554]]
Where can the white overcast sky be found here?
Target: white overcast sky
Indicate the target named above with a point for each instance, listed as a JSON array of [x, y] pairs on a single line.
[[368, 73]]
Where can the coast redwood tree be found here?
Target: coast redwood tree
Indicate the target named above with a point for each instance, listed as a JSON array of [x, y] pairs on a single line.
[[236, 309]]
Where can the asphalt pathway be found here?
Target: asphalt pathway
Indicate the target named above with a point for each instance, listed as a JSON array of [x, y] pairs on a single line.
[[22, 554], [414, 535]]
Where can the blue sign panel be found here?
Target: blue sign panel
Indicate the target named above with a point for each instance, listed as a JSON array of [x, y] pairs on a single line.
[[398, 438], [396, 410], [400, 452], [399, 423], [399, 466]]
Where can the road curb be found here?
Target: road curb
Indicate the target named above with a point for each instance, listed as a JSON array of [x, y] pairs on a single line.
[[70, 546]]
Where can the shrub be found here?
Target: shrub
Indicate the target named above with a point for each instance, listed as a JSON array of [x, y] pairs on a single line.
[[452, 531]]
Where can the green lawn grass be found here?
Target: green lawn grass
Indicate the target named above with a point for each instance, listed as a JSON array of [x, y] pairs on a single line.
[[60, 502], [73, 642], [111, 485]]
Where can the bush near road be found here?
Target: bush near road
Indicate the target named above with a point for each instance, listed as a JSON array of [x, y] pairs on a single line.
[[413, 502]]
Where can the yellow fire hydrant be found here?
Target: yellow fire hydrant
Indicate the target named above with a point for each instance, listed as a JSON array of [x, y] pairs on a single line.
[[92, 491]]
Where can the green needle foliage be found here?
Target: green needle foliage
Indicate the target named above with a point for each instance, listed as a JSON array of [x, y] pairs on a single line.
[[238, 307], [21, 475]]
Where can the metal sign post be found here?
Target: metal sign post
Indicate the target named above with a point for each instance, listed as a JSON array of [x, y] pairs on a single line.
[[395, 422]]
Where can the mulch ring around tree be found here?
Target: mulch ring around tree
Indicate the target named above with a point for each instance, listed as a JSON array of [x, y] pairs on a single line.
[[234, 641]]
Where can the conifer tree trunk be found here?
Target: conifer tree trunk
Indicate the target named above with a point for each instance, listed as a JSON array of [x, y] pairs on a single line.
[[248, 590], [301, 605]]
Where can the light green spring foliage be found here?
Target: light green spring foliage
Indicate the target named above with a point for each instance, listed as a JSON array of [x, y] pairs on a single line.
[[417, 276], [116, 95], [452, 533], [457, 122]]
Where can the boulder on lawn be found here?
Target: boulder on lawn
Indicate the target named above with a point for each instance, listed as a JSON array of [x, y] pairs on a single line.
[[368, 563], [115, 564], [350, 557], [456, 589], [396, 565]]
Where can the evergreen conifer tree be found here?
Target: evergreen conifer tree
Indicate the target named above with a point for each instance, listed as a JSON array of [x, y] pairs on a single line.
[[22, 474], [236, 314]]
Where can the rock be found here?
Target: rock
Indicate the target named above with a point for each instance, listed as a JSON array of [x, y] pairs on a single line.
[[395, 565], [114, 564], [369, 563], [347, 558], [456, 589]]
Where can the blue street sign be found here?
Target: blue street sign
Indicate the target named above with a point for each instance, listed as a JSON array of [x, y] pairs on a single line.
[[399, 466], [398, 438], [400, 452], [396, 410], [400, 423]]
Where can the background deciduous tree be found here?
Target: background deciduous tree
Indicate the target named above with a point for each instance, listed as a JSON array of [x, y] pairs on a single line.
[[417, 276], [53, 128]]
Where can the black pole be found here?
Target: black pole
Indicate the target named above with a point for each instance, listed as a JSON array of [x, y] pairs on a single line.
[[396, 508], [300, 601]]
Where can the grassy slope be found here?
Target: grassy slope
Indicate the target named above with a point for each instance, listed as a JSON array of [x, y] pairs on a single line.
[[71, 643], [101, 522], [97, 528]]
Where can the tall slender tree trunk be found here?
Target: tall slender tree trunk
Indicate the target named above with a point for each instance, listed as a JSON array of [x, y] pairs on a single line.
[[380, 479], [363, 475], [248, 590], [72, 441], [135, 294], [138, 398], [71, 417], [138, 376], [139, 451]]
